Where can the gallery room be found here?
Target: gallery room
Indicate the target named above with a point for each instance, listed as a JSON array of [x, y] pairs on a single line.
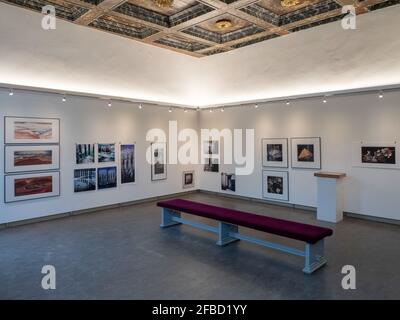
[[200, 150]]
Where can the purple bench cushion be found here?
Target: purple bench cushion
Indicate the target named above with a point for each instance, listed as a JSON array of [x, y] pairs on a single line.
[[299, 231]]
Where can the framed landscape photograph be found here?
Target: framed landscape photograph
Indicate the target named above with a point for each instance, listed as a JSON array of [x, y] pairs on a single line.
[[211, 149], [275, 152], [31, 186], [306, 153], [20, 158], [188, 179], [31, 130], [276, 185], [127, 163], [106, 178], [85, 153], [84, 180], [106, 152], [228, 181], [158, 161], [376, 155]]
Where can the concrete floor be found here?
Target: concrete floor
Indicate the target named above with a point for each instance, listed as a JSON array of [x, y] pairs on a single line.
[[123, 254]]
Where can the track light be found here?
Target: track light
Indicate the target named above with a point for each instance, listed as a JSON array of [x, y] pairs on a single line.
[[170, 110], [109, 104], [380, 95], [211, 110], [256, 106], [185, 110], [288, 103], [64, 98], [325, 100], [11, 93], [140, 106], [198, 109], [222, 109]]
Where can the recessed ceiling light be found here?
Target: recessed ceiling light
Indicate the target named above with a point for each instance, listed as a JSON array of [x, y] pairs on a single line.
[[223, 24]]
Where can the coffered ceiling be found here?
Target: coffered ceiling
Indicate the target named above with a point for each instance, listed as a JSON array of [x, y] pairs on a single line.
[[201, 27]]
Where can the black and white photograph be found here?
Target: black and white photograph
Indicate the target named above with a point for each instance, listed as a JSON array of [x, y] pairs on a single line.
[[306, 153], [158, 161], [106, 152], [276, 185], [84, 180], [211, 151], [85, 153], [106, 177], [275, 152], [127, 163], [188, 179], [228, 181]]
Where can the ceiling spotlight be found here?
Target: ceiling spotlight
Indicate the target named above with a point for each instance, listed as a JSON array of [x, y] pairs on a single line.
[[11, 93], [170, 110], [211, 110], [222, 109], [140, 106], [185, 110], [380, 95], [109, 104], [325, 100], [64, 98], [256, 106], [288, 103], [198, 109]]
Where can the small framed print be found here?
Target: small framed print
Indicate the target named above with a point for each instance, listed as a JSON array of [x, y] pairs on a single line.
[[382, 155], [106, 178], [158, 161], [31, 130], [306, 153], [275, 152], [127, 163], [228, 181], [211, 151], [276, 185], [31, 186], [84, 180], [188, 179], [20, 158], [85, 153], [105, 152]]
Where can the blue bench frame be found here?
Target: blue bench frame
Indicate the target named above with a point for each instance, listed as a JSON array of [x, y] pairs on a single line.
[[313, 254]]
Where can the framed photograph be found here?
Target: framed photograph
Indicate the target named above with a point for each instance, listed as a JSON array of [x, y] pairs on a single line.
[[84, 153], [211, 150], [158, 161], [306, 153], [188, 179], [20, 158], [31, 186], [276, 185], [228, 181], [31, 130], [275, 152], [106, 178], [84, 180], [106, 152], [127, 163], [376, 155]]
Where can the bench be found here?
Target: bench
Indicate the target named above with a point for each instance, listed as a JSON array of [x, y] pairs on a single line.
[[229, 220]]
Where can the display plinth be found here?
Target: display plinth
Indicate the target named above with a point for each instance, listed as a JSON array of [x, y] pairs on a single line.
[[330, 196]]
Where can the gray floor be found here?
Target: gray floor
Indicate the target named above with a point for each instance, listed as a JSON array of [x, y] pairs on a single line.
[[123, 254]]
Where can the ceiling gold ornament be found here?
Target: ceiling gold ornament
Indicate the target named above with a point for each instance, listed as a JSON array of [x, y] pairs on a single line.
[[223, 24], [164, 3], [290, 3]]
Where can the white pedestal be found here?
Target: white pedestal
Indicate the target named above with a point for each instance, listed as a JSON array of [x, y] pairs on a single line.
[[330, 197]]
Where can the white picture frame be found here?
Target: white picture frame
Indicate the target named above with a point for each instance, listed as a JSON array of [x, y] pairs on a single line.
[[22, 158], [365, 153], [31, 186], [306, 153], [158, 161], [275, 185], [274, 152], [185, 182], [31, 130]]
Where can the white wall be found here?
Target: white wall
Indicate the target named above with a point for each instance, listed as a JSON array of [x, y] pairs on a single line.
[[85, 120], [341, 121], [320, 59]]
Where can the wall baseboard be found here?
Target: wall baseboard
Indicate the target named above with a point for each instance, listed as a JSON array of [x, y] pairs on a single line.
[[92, 210]]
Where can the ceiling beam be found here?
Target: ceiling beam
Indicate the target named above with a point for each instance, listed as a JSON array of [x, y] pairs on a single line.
[[98, 11]]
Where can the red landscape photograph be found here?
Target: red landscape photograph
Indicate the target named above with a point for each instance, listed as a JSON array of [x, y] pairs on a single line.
[[31, 158], [35, 185]]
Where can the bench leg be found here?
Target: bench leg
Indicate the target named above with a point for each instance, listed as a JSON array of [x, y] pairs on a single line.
[[166, 218], [314, 257], [223, 233]]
